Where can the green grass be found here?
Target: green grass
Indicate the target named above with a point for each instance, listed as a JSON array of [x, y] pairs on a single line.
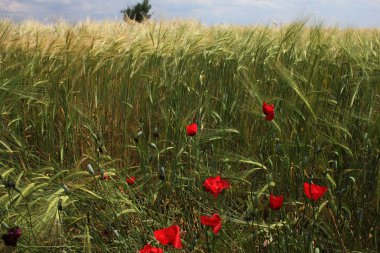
[[67, 90]]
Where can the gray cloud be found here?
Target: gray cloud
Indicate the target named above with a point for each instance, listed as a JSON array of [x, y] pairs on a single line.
[[344, 12]]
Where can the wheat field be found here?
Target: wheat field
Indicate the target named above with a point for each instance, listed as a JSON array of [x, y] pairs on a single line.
[[119, 96]]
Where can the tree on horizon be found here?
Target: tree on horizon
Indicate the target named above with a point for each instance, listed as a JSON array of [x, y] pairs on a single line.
[[138, 12]]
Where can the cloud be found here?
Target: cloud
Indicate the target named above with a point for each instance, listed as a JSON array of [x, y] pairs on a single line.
[[51, 10], [344, 12]]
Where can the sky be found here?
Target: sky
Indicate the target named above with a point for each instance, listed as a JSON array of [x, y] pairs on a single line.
[[343, 13]]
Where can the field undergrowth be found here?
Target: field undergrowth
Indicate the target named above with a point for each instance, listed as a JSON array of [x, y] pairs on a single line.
[[119, 96]]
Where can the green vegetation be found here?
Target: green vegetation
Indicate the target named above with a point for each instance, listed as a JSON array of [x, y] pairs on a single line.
[[77, 95], [139, 12]]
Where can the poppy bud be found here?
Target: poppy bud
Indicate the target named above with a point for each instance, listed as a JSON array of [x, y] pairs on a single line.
[[153, 145], [9, 184], [139, 133], [162, 173], [278, 147], [359, 214], [66, 189], [201, 78], [156, 134], [192, 129], [116, 233], [151, 158], [60, 204], [305, 160], [101, 173], [90, 169], [335, 164]]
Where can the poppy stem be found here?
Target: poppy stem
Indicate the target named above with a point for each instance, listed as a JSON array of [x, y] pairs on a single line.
[[95, 184], [286, 237], [190, 151], [213, 242], [30, 217], [315, 154], [11, 203], [209, 250], [97, 158], [60, 218], [337, 230], [5, 225], [313, 227]]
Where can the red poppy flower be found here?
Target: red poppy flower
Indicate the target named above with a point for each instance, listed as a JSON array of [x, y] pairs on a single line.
[[275, 202], [10, 238], [169, 235], [150, 249], [105, 176], [130, 180], [215, 185], [213, 221], [192, 129], [313, 191], [268, 111]]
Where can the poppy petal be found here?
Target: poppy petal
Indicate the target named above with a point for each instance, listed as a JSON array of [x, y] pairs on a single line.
[[170, 235], [214, 221], [313, 191], [150, 249], [275, 202]]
